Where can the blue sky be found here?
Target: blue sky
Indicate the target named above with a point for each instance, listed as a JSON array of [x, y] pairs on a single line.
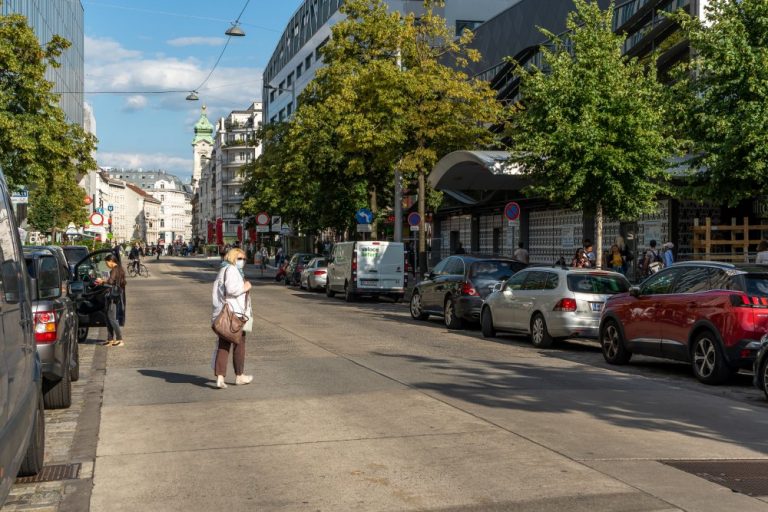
[[149, 45]]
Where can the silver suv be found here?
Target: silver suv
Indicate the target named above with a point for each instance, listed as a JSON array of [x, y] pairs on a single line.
[[55, 324], [551, 302]]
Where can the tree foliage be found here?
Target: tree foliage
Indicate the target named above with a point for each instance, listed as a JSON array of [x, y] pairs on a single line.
[[726, 88], [39, 149], [383, 98], [591, 128]]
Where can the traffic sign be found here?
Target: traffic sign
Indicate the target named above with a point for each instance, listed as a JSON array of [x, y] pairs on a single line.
[[110, 208], [414, 219], [512, 211], [100, 210], [97, 219], [277, 222], [364, 228], [262, 219], [109, 236], [364, 216]]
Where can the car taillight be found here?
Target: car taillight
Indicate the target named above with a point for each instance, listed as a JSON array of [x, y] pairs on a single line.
[[468, 289], [354, 261], [742, 300], [319, 272], [565, 305], [45, 326]]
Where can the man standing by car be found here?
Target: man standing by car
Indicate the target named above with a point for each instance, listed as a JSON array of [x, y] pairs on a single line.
[[521, 254]]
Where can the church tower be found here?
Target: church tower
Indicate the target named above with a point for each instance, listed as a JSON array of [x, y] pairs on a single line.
[[202, 145]]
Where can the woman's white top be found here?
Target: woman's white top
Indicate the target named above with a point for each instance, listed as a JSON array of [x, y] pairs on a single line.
[[762, 257], [234, 294]]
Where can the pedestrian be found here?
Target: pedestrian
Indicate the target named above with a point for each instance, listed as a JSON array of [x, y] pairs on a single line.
[[590, 253], [460, 249], [652, 262], [580, 259], [667, 255], [762, 253], [231, 288], [117, 282], [521, 254], [616, 261]]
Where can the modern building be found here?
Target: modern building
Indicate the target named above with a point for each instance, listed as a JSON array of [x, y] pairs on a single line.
[[221, 179], [297, 55], [64, 18], [478, 184]]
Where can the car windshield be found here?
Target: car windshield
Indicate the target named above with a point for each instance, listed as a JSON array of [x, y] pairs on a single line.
[[321, 263], [757, 284], [74, 253], [491, 270], [597, 283]]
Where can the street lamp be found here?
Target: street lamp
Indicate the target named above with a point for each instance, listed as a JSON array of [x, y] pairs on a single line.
[[192, 96], [235, 30]]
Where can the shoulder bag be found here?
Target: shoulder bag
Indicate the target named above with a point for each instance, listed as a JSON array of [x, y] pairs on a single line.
[[228, 325]]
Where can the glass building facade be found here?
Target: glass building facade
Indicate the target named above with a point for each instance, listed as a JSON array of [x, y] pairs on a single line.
[[64, 18]]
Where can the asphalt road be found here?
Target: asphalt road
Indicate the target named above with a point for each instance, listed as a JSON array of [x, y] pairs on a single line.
[[357, 407]]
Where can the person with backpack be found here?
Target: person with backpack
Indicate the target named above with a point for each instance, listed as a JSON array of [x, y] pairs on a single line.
[[667, 255], [653, 261]]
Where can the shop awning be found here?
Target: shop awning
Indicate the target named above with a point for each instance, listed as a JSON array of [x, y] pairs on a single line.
[[476, 170]]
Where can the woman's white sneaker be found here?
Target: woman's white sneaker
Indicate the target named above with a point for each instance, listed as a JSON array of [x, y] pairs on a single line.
[[243, 379], [220, 382]]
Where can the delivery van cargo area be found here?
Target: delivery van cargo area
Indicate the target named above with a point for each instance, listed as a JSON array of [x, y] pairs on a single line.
[[370, 268]]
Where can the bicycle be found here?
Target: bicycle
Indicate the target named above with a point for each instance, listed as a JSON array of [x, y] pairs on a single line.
[[142, 270]]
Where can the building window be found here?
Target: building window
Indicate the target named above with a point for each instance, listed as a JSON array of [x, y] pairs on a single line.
[[462, 25], [308, 62], [290, 108], [162, 185], [272, 96], [162, 223], [280, 88], [162, 197], [319, 48], [298, 70], [273, 119], [281, 115], [242, 156], [290, 79]]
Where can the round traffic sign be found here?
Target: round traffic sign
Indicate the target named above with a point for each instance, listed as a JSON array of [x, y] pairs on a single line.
[[262, 219], [97, 219], [512, 211], [414, 219]]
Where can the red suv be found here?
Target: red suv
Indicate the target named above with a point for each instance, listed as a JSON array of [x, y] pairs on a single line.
[[706, 313]]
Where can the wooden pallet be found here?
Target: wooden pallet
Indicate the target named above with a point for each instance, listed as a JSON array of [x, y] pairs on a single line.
[[725, 243]]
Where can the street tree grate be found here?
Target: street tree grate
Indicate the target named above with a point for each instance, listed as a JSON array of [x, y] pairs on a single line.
[[748, 477], [52, 473]]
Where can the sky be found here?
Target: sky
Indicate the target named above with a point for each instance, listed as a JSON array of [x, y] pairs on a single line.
[[137, 46]]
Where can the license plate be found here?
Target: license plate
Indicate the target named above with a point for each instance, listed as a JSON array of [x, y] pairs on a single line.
[[596, 306], [369, 282]]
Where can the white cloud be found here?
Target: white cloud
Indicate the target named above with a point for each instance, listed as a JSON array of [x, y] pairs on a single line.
[[197, 41], [180, 166], [134, 103], [110, 67]]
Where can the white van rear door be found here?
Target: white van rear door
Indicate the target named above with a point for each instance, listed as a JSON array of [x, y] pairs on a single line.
[[380, 265]]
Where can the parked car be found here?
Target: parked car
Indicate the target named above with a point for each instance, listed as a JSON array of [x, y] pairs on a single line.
[[22, 419], [315, 274], [372, 268], [551, 303], [760, 368], [74, 253], [296, 267], [709, 314], [55, 324], [457, 286], [91, 298]]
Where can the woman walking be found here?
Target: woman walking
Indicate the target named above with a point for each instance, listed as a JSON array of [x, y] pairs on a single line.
[[231, 288], [116, 281]]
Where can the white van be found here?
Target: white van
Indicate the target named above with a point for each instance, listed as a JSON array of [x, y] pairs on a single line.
[[367, 268]]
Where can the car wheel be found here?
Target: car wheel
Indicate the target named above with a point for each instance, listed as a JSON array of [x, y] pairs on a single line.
[[328, 292], [349, 295], [58, 394], [417, 309], [449, 315], [539, 333], [82, 334], [33, 459], [708, 360], [74, 364], [764, 374], [612, 344], [486, 323]]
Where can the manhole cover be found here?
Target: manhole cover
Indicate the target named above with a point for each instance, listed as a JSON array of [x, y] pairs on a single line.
[[748, 477], [52, 474]]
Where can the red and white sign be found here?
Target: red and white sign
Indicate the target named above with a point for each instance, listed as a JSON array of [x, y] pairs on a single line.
[[262, 219], [97, 219]]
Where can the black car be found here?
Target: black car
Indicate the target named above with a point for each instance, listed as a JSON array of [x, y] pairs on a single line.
[[92, 297], [55, 323], [74, 253], [296, 267], [457, 286]]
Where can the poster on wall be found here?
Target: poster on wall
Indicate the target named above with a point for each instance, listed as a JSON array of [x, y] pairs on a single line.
[[652, 231]]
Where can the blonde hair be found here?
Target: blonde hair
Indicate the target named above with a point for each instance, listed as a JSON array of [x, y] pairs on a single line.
[[233, 254]]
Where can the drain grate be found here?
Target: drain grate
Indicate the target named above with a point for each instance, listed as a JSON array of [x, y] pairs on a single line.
[[748, 477], [52, 473]]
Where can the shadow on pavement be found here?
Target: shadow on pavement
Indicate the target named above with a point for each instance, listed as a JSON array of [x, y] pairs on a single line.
[[179, 378]]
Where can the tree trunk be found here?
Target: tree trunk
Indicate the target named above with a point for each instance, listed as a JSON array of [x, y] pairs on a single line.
[[375, 210], [422, 230], [599, 235]]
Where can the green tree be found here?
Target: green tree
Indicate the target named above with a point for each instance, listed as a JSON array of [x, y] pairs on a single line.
[[39, 149], [726, 88], [590, 131]]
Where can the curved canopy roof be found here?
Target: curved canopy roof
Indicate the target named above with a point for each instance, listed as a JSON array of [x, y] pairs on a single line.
[[476, 170]]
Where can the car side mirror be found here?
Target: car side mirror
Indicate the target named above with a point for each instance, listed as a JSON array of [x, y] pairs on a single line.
[[634, 291], [497, 287]]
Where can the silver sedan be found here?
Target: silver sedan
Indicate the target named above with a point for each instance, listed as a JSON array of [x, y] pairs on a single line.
[[314, 275], [548, 303]]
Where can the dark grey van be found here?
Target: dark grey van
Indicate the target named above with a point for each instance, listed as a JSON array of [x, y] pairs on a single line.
[[22, 419]]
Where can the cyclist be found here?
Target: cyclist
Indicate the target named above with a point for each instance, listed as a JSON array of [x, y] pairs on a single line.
[[135, 258]]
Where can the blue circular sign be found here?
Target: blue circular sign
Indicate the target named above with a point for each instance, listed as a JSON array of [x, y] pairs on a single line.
[[364, 216], [512, 211], [414, 219]]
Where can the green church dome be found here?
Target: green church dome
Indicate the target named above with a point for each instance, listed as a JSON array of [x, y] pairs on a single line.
[[203, 129]]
